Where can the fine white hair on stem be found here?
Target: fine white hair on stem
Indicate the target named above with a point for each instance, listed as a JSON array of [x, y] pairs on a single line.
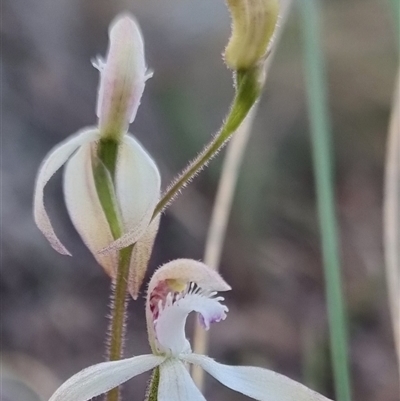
[[197, 170], [391, 216], [224, 198], [219, 221]]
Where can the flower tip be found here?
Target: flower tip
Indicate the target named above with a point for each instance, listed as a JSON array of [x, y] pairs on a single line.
[[65, 252], [125, 30], [134, 295], [124, 24], [58, 246]]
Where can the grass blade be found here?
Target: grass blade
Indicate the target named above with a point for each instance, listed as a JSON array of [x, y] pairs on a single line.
[[323, 170]]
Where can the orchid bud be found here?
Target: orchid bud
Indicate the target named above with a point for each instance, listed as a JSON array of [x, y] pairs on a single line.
[[122, 78], [253, 24]]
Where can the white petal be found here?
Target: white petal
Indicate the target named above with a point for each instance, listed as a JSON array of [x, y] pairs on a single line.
[[170, 325], [53, 161], [137, 182], [100, 378], [85, 209], [140, 257], [122, 75], [258, 383], [176, 383]]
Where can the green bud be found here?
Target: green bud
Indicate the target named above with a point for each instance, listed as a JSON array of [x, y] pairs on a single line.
[[253, 24]]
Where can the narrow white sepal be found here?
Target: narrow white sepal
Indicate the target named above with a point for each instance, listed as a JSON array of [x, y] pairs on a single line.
[[100, 378], [53, 161], [140, 257], [137, 182], [258, 383], [85, 209], [176, 383]]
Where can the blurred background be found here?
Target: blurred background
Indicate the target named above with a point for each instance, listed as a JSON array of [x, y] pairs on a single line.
[[54, 308]]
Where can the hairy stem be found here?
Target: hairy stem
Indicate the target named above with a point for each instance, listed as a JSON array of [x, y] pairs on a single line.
[[224, 198], [248, 91], [152, 390], [119, 304], [104, 171], [219, 221]]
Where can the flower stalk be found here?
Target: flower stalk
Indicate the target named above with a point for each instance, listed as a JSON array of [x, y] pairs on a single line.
[[248, 89], [225, 193], [219, 222], [152, 391], [104, 179]]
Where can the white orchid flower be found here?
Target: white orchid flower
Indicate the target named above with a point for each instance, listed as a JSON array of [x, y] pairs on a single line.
[[136, 179], [175, 290]]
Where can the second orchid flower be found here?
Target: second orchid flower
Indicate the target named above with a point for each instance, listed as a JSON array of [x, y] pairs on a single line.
[[175, 290]]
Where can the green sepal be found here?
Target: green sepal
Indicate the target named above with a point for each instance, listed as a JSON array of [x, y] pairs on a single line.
[[103, 172]]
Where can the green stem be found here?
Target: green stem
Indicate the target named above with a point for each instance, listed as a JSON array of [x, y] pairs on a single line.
[[322, 145], [118, 313], [248, 91], [104, 171], [152, 391]]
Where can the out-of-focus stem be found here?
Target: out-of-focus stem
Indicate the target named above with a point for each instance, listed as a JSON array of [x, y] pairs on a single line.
[[396, 17], [391, 216], [323, 170]]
